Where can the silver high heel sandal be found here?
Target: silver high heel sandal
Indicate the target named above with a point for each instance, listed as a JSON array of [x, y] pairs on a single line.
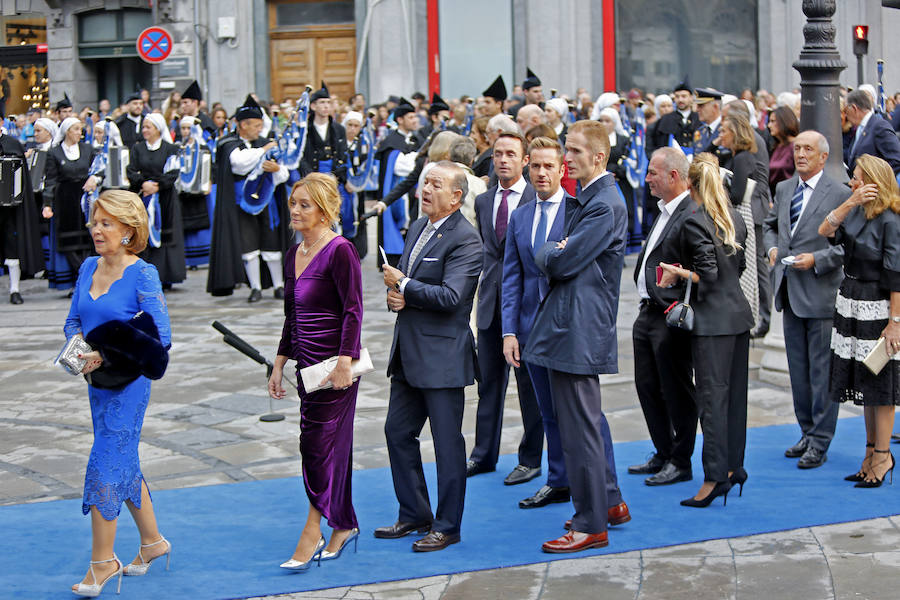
[[296, 565], [141, 569], [353, 537], [93, 590]]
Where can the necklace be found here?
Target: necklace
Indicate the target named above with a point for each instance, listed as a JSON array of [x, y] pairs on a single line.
[[305, 249]]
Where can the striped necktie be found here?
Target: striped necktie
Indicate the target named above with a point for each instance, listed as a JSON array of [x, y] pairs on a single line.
[[540, 234], [797, 204], [420, 243]]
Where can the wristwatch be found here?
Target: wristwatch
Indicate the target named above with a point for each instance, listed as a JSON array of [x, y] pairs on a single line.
[[895, 319]]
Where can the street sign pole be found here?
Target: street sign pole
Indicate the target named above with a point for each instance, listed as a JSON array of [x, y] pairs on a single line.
[[155, 99]]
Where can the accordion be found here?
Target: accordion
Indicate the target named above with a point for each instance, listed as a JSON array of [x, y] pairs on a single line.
[[12, 189], [116, 176], [37, 165], [195, 178]]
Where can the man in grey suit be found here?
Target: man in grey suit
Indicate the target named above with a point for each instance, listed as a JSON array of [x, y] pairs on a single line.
[[807, 275], [574, 333], [432, 358]]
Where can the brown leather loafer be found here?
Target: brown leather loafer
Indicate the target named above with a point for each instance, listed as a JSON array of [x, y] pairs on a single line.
[[575, 542], [616, 515], [400, 529], [435, 540]]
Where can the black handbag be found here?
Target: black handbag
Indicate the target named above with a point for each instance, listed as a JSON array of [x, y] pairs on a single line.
[[680, 314]]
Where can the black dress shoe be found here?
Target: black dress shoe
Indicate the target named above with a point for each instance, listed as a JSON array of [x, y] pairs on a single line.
[[435, 540], [812, 458], [400, 529], [255, 296], [544, 496], [521, 474], [474, 468], [15, 298], [654, 465], [279, 293], [797, 450], [669, 474]]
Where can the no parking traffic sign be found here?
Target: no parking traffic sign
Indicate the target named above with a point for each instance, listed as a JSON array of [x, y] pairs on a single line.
[[154, 44]]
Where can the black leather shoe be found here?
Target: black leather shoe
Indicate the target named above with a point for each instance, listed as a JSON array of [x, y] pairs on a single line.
[[473, 468], [15, 298], [812, 458], [255, 296], [400, 529], [279, 293], [654, 465], [521, 474], [669, 474], [544, 496], [797, 450], [435, 540]]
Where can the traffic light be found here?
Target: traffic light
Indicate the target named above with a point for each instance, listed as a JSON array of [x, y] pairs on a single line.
[[860, 40]]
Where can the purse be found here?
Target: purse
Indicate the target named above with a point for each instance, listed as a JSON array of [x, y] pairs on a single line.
[[68, 356], [680, 314], [314, 374], [876, 360]]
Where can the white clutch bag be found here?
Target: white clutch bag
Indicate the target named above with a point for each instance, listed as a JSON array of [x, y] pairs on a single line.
[[876, 360], [313, 375]]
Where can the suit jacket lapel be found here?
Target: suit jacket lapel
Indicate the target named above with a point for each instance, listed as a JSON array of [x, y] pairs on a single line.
[[814, 203], [436, 237], [414, 231]]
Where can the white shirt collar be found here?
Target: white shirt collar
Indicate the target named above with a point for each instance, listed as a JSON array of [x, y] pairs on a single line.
[[72, 152], [685, 114], [518, 187], [813, 181], [593, 180], [672, 205], [45, 146], [136, 119], [712, 126], [556, 198], [865, 120], [155, 145], [437, 224]]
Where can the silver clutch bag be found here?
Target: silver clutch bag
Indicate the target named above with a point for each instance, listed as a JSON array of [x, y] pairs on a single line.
[[68, 356], [313, 375]]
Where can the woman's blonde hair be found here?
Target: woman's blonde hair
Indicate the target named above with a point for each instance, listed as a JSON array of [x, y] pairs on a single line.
[[128, 209], [739, 124], [706, 186], [440, 145], [323, 191], [878, 171]]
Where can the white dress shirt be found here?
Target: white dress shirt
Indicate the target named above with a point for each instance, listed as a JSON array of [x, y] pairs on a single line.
[[666, 210], [811, 184], [243, 160], [512, 199], [436, 226], [552, 208]]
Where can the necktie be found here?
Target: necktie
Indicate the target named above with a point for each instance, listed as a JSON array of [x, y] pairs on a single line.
[[502, 216], [540, 235], [856, 137], [420, 243], [797, 205]]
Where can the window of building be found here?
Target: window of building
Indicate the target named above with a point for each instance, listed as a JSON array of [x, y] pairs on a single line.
[[714, 43], [107, 39]]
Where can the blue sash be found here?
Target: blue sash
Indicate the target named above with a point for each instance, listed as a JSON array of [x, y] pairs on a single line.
[[394, 218], [154, 214], [255, 196]]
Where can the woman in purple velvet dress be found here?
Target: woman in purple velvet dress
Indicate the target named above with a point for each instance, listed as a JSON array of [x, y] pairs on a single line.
[[323, 316]]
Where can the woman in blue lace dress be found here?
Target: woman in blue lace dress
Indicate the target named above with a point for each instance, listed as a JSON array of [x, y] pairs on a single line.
[[115, 294]]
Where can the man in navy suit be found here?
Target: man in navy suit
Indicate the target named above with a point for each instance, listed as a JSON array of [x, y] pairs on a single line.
[[493, 210], [432, 358], [874, 134], [574, 333], [524, 287]]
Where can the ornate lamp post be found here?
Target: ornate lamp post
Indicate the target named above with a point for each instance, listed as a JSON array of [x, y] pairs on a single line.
[[820, 66]]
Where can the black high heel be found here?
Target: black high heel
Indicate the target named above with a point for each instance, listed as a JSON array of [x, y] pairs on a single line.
[[861, 474], [876, 482], [722, 488], [739, 477]]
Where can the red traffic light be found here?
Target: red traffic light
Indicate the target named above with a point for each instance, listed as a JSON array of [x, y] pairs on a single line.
[[861, 32]]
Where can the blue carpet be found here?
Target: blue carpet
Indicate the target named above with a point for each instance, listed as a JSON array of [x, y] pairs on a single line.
[[229, 539]]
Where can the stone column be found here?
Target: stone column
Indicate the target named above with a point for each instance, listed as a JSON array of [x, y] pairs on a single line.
[[820, 67]]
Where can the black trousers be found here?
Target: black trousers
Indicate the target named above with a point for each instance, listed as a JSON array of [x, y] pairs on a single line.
[[407, 411], [578, 412], [663, 368], [491, 398], [721, 378], [763, 280]]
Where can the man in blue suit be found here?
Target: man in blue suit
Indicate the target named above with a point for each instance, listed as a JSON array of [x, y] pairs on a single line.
[[493, 210], [524, 287], [874, 135], [574, 333], [432, 358]]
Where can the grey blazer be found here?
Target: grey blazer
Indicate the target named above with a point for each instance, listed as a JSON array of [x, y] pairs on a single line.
[[811, 293]]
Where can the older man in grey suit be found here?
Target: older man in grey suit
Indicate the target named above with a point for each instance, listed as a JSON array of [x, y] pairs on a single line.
[[807, 275], [574, 333]]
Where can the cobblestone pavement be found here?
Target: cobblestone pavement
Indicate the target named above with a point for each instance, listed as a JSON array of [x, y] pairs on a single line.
[[202, 428]]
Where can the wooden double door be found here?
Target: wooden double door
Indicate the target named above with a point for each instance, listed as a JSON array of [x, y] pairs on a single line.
[[307, 54]]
